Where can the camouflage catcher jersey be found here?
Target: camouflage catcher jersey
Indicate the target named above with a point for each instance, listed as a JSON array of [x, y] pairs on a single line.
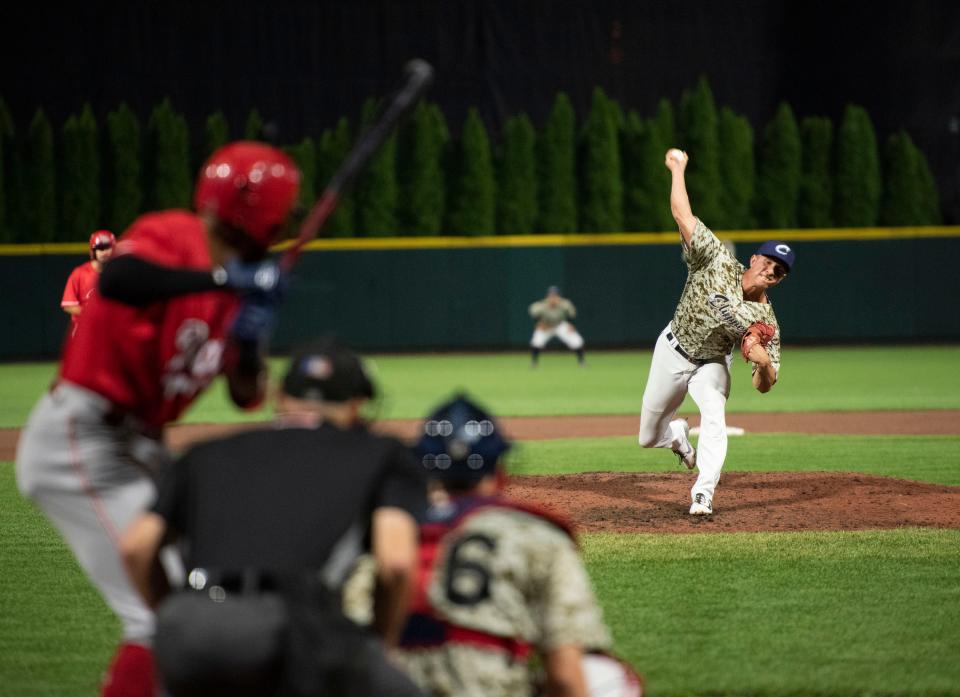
[[553, 316], [712, 314], [496, 584]]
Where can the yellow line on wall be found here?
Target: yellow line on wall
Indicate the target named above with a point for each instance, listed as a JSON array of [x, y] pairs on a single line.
[[578, 240], [851, 234], [51, 248]]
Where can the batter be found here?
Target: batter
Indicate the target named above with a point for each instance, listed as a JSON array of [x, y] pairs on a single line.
[[184, 299]]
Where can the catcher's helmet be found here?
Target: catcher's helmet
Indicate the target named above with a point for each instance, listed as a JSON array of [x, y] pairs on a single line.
[[250, 186], [460, 442], [101, 239]]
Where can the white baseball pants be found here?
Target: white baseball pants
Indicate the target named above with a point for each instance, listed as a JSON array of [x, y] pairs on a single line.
[[671, 377], [563, 331]]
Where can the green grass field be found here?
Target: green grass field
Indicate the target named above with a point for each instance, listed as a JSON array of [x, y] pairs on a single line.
[[856, 613], [785, 614], [934, 459], [812, 379]]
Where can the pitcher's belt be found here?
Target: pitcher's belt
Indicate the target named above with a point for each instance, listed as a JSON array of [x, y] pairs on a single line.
[[675, 345]]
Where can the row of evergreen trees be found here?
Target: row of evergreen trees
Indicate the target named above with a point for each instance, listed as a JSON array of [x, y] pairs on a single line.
[[603, 174]]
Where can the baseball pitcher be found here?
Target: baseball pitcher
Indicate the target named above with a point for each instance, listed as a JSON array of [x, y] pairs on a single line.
[[723, 305]]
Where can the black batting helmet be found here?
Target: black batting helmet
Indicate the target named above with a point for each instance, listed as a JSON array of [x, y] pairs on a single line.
[[460, 442], [327, 371]]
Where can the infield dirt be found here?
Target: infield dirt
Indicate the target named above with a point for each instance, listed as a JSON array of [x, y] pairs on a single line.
[[746, 501]]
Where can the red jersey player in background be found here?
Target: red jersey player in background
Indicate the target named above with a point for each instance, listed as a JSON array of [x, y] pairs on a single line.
[[82, 283], [187, 296]]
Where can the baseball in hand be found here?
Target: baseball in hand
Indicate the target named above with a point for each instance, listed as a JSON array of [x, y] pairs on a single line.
[[677, 155]]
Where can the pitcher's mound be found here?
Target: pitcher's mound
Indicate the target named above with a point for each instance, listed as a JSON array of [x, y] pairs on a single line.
[[745, 501]]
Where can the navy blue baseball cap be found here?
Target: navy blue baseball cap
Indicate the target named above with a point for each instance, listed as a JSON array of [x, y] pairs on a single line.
[[327, 371], [781, 251], [553, 289]]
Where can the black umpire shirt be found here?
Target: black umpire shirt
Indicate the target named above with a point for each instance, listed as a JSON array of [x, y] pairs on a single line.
[[286, 499]]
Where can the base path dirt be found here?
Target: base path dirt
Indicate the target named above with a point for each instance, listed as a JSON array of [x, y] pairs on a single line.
[[930, 422], [756, 501], [550, 427], [745, 502]]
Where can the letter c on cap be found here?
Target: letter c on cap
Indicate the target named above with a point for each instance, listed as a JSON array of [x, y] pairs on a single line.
[[782, 249]]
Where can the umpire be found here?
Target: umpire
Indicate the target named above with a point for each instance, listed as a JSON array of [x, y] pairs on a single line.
[[271, 523]]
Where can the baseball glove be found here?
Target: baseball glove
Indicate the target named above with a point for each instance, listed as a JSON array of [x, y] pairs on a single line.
[[757, 333]]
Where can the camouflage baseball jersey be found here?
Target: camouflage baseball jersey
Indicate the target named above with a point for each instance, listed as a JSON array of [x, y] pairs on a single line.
[[712, 314], [502, 573], [552, 316]]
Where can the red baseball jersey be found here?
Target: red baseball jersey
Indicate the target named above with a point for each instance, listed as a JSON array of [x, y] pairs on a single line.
[[153, 361], [81, 285]]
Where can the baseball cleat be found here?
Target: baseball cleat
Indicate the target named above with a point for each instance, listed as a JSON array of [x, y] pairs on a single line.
[[701, 505], [683, 448]]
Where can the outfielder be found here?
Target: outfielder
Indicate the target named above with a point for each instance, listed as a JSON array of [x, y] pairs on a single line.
[[499, 581], [82, 282], [553, 315], [186, 297], [723, 304]]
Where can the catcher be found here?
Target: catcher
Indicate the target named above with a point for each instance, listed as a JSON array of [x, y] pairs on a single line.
[[723, 305], [500, 582]]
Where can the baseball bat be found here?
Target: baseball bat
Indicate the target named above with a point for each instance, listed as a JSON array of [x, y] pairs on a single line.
[[418, 74]]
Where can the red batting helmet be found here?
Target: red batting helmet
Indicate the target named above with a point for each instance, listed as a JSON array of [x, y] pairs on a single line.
[[101, 239], [250, 186]]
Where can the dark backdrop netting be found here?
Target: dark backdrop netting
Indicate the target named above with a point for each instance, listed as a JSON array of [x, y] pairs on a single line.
[[304, 64]]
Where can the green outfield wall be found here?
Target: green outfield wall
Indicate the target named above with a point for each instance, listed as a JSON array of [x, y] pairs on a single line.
[[899, 284]]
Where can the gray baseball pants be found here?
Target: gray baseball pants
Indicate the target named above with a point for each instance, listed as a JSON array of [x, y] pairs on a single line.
[[91, 478]]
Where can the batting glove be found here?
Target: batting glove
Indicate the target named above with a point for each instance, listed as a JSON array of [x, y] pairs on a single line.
[[255, 320], [262, 277]]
